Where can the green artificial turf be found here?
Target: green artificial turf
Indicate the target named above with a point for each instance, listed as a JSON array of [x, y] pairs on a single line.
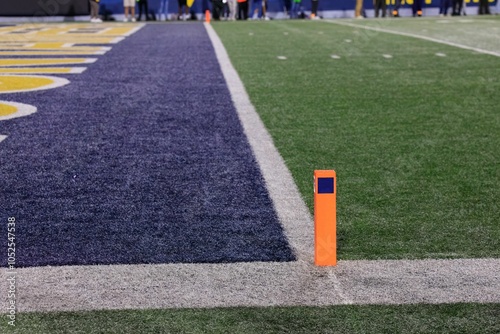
[[453, 318], [414, 138]]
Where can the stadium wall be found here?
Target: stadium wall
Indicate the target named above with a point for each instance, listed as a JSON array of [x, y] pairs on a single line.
[[44, 8]]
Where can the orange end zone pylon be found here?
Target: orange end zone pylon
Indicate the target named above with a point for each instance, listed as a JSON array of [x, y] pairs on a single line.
[[207, 16], [325, 218]]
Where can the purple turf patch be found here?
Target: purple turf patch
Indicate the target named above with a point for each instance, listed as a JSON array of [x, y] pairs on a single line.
[[141, 159]]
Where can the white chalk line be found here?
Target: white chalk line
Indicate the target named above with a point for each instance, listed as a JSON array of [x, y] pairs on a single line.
[[435, 40]]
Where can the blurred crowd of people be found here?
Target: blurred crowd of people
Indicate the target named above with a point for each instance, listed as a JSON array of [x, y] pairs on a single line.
[[258, 9]]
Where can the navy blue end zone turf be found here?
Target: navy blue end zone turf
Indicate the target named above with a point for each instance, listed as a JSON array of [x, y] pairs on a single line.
[[141, 159]]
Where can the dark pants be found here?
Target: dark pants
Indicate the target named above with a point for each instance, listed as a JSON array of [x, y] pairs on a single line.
[[417, 7], [287, 4], [314, 7], [143, 4], [396, 7], [443, 8], [217, 9], [484, 7], [243, 10], [457, 7], [94, 9], [380, 5]]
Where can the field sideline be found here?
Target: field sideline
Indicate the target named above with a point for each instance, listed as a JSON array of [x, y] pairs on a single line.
[[430, 279]]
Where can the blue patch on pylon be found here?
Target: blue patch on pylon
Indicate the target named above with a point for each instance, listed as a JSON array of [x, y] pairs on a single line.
[[325, 185]]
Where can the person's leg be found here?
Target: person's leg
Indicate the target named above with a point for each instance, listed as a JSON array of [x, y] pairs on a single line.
[[256, 4], [132, 9], [395, 11], [245, 10], [357, 10], [161, 9], [384, 8], [417, 8], [296, 9], [232, 9], [94, 10], [460, 6], [314, 7]]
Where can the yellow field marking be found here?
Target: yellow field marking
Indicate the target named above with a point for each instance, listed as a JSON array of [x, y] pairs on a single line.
[[22, 30], [56, 47], [47, 45], [71, 30], [9, 110], [68, 33], [46, 61], [62, 39], [25, 83], [114, 31], [42, 70], [51, 53], [15, 45], [86, 49]]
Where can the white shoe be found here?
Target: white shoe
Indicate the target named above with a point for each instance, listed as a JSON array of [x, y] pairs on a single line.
[[125, 19], [133, 19], [266, 18], [360, 17], [97, 20]]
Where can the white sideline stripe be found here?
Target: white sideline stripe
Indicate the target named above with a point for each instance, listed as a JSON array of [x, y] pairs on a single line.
[[492, 53], [74, 288], [79, 288]]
